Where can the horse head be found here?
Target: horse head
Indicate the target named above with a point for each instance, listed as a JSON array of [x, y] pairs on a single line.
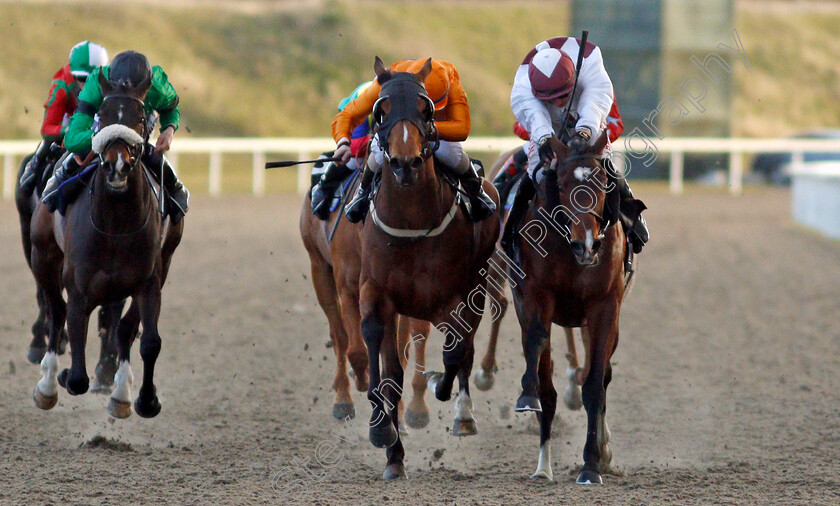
[[403, 115], [575, 188], [122, 131]]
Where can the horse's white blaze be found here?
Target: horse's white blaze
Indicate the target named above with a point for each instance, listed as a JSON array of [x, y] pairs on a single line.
[[122, 382], [405, 133], [120, 161], [48, 384], [581, 173], [463, 406], [589, 240], [544, 462], [120, 114]]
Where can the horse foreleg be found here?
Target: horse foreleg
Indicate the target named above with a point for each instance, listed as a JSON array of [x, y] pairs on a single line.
[[536, 334], [46, 267], [76, 380], [464, 424], [548, 400], [357, 353], [119, 406], [572, 397], [325, 290], [106, 368], [147, 404], [417, 413], [485, 376], [391, 390], [38, 345], [603, 332], [374, 326]]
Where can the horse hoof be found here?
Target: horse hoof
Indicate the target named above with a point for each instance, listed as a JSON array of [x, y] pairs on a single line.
[[416, 420], [36, 354], [403, 428], [75, 385], [433, 382], [344, 411], [605, 460], [394, 471], [464, 428], [573, 398], [383, 435], [528, 403], [99, 387], [62, 377], [589, 477], [119, 409], [484, 380], [42, 401], [543, 475], [148, 409]]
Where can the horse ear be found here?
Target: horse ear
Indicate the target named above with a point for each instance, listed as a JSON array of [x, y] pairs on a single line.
[[104, 84], [560, 149], [378, 66], [600, 144], [425, 71]]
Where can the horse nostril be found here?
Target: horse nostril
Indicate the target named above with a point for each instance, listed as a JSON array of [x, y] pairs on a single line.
[[417, 162], [577, 248], [596, 245]]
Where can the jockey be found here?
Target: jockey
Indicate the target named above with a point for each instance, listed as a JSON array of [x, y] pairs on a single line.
[[132, 68], [66, 84], [323, 191], [452, 119], [519, 159], [541, 97]]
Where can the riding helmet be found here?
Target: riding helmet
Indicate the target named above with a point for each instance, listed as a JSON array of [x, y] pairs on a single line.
[[129, 68], [85, 56]]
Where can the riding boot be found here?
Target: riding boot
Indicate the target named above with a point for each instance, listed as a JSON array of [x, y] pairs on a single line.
[[482, 206], [357, 208], [177, 193], [324, 190], [639, 234], [65, 171], [519, 160], [32, 172], [517, 212]]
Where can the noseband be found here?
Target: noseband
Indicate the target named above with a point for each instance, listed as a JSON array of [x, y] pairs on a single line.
[[402, 88]]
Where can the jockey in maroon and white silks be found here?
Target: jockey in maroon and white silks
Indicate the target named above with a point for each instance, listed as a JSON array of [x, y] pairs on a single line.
[[546, 77]]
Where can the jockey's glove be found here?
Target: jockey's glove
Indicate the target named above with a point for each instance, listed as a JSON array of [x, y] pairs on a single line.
[[580, 140], [545, 151], [343, 151]]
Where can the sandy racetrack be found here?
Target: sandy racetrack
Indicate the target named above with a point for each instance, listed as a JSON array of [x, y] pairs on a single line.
[[725, 390]]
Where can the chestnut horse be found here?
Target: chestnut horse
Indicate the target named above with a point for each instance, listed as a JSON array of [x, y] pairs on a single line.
[[573, 277], [336, 265], [421, 257], [112, 244]]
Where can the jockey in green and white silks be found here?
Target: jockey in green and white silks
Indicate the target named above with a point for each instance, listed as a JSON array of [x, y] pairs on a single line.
[[128, 68]]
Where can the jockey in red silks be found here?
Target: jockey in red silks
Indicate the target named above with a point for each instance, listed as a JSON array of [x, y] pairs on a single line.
[[541, 97], [59, 107]]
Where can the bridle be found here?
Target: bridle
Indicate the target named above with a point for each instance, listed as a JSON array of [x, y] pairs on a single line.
[[399, 86], [135, 150]]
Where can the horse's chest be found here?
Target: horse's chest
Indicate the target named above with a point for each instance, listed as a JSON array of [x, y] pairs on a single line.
[[103, 269]]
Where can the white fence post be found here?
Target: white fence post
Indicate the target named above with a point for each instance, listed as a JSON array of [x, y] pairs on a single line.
[[8, 177], [304, 173], [259, 174], [736, 172], [215, 187], [676, 173]]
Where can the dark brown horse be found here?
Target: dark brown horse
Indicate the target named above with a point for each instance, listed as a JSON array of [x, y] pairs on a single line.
[[573, 265], [421, 257], [336, 265], [111, 244], [108, 315]]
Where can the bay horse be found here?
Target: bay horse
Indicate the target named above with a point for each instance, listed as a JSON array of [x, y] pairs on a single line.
[[573, 277], [420, 257], [334, 248], [111, 244], [109, 315], [497, 277]]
